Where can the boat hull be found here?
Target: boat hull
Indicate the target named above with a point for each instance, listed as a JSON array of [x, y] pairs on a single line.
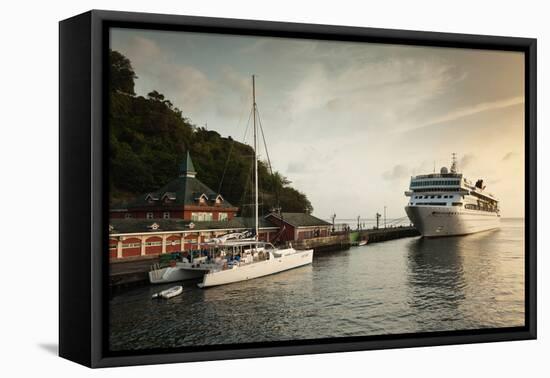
[[257, 269], [174, 274], [437, 221]]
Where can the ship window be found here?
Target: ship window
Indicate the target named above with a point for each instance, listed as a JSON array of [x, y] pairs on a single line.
[[432, 196], [438, 196]]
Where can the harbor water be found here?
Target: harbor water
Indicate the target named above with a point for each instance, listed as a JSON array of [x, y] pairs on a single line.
[[400, 286]]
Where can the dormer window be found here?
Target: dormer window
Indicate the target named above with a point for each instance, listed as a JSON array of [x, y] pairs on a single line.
[[111, 228], [150, 197], [169, 197], [202, 199], [219, 199]]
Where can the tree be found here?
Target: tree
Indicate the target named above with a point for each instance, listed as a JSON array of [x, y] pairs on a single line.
[[122, 74], [149, 137]]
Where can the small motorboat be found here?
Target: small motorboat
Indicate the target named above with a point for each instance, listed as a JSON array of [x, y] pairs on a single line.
[[169, 293], [362, 242]]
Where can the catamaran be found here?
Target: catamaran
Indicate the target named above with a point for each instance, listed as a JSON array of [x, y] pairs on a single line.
[[236, 257]]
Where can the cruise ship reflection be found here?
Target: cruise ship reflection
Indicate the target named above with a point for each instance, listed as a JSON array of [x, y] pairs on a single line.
[[436, 273]]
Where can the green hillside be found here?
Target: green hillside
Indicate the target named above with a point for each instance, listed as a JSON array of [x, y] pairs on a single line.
[[149, 136]]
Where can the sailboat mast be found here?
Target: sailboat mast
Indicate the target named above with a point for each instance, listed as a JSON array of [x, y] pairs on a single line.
[[255, 156]]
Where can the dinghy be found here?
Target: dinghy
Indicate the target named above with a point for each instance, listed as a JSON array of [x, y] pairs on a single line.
[[169, 293]]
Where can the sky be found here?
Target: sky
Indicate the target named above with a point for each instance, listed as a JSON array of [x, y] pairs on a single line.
[[348, 123]]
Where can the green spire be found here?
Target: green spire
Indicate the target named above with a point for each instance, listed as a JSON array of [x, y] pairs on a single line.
[[187, 169]]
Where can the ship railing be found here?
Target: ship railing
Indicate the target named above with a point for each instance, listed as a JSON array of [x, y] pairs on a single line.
[[439, 175]]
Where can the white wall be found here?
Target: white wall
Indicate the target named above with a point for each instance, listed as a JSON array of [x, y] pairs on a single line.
[[28, 152]]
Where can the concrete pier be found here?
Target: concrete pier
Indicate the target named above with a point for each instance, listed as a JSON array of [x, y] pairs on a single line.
[[324, 244], [131, 271], [385, 234]]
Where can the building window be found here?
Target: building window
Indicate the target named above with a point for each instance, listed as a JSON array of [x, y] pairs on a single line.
[[153, 244], [131, 245], [149, 215], [222, 216], [128, 215], [166, 215], [201, 217]]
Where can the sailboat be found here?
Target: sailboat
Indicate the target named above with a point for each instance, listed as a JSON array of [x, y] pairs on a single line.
[[231, 260], [255, 258]]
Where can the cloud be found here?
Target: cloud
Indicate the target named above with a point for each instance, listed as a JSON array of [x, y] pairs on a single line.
[[398, 172], [142, 49], [188, 86], [296, 167], [509, 156], [475, 109], [357, 94], [466, 161]]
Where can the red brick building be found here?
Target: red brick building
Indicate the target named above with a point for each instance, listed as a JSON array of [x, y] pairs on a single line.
[[185, 198], [299, 226], [143, 237], [185, 212]]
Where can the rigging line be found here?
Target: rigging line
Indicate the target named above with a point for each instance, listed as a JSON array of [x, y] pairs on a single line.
[[277, 198], [247, 125], [227, 162], [229, 155], [245, 191], [263, 138]]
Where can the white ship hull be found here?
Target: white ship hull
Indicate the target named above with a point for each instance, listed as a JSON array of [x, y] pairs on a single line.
[[180, 272], [434, 221], [257, 269]]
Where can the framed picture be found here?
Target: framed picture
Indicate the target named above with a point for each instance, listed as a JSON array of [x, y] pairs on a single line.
[[234, 188]]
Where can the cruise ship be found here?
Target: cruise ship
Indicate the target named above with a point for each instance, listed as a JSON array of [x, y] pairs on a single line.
[[447, 204]]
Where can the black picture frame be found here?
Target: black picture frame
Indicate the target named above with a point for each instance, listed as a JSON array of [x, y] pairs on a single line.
[[83, 42]]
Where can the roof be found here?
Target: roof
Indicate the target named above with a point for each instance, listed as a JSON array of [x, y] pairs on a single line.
[[187, 167], [183, 190], [249, 222], [133, 225], [300, 219]]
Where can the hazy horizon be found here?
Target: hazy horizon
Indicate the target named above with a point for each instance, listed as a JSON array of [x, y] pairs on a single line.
[[349, 123]]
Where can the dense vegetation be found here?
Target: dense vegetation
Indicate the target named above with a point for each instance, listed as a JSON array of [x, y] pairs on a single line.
[[149, 136]]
